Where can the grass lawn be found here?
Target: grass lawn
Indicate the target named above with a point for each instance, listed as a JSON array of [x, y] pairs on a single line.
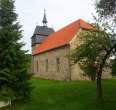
[[78, 95]]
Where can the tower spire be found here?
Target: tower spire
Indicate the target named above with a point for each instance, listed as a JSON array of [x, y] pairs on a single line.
[[44, 19]]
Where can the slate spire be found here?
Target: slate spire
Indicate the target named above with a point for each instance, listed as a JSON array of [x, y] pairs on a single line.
[[44, 19]]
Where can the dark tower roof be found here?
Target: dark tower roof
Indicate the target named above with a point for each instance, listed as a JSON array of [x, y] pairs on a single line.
[[44, 19], [41, 32], [45, 31]]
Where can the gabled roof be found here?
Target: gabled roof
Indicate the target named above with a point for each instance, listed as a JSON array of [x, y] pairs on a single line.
[[61, 37]]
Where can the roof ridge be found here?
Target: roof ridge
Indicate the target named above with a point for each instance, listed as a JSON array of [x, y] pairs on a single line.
[[62, 29], [61, 37]]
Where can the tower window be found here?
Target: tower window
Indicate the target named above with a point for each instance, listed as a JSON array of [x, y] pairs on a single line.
[[46, 65], [58, 64]]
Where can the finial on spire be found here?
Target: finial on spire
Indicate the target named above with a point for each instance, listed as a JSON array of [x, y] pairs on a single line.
[[44, 18]]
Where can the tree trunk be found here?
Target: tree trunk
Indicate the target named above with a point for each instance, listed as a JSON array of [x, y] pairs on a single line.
[[99, 88]]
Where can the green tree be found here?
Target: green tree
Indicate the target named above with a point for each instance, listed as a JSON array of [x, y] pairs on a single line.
[[98, 45], [14, 77], [106, 10], [93, 55]]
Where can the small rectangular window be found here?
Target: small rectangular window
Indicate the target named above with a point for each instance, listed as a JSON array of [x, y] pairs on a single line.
[[46, 65], [37, 66], [58, 64]]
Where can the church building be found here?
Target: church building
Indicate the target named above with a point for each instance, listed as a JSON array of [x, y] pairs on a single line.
[[50, 50]]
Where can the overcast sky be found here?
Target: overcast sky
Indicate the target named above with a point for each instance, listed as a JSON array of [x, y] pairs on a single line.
[[59, 13]]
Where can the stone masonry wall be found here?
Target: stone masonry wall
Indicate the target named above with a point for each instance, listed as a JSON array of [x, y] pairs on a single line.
[[76, 72], [45, 64]]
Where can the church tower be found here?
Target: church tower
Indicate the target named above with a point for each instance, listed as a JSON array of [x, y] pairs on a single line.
[[41, 32]]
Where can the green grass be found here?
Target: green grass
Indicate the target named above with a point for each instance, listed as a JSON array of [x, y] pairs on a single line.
[[77, 95]]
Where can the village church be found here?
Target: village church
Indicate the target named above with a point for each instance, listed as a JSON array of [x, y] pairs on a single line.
[[50, 50]]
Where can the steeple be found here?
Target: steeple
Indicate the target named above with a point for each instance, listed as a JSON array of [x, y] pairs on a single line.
[[44, 19], [41, 32]]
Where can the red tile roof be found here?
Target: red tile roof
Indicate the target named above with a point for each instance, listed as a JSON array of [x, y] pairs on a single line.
[[61, 37]]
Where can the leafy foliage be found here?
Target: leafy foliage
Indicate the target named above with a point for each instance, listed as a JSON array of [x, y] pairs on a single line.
[[106, 7], [106, 10], [92, 49]]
